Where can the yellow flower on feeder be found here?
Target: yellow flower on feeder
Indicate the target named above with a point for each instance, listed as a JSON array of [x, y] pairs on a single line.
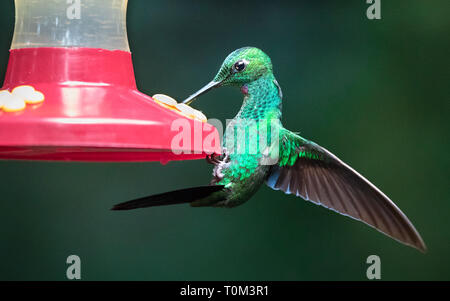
[[181, 108], [29, 94], [18, 99]]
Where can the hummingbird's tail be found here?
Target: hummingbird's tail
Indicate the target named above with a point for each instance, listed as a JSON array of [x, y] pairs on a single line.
[[181, 196]]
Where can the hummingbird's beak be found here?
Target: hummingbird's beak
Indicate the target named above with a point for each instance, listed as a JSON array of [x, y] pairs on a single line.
[[209, 86]]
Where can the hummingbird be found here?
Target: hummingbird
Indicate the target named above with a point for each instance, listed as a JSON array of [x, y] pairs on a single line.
[[294, 165]]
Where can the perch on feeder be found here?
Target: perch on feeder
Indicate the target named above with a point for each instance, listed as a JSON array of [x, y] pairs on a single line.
[[70, 93]]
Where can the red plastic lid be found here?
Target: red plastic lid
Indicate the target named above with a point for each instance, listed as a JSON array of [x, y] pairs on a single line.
[[92, 112]]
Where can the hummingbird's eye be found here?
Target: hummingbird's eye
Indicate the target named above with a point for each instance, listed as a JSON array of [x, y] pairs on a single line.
[[240, 65]]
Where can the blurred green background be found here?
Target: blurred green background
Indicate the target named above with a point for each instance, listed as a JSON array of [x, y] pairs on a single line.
[[376, 93]]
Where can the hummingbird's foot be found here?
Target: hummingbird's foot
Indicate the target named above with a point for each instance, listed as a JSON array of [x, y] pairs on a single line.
[[212, 159], [226, 157], [223, 163]]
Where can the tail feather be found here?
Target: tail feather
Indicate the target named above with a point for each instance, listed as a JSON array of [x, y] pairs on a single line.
[[181, 196]]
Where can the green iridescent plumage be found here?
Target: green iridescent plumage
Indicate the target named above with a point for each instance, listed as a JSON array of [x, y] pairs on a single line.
[[258, 149]]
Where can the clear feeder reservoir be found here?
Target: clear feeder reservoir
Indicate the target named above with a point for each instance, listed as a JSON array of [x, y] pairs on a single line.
[[56, 23]]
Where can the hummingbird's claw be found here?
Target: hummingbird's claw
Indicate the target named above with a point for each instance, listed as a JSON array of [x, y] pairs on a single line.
[[209, 159], [212, 159]]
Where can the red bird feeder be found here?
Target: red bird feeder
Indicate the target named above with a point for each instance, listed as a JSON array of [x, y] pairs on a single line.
[[70, 92]]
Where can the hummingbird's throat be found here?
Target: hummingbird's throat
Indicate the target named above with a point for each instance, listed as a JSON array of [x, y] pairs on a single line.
[[262, 99], [244, 89]]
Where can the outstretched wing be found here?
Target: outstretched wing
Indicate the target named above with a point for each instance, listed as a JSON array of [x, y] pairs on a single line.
[[308, 170]]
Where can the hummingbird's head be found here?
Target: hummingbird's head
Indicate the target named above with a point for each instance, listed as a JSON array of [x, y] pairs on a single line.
[[240, 67]]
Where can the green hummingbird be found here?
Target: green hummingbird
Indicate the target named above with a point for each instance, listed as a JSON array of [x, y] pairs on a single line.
[[280, 158]]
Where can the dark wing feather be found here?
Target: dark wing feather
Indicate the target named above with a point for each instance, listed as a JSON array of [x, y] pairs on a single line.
[[318, 176]]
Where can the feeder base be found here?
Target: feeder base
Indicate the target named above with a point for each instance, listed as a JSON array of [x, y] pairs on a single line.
[[92, 111]]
